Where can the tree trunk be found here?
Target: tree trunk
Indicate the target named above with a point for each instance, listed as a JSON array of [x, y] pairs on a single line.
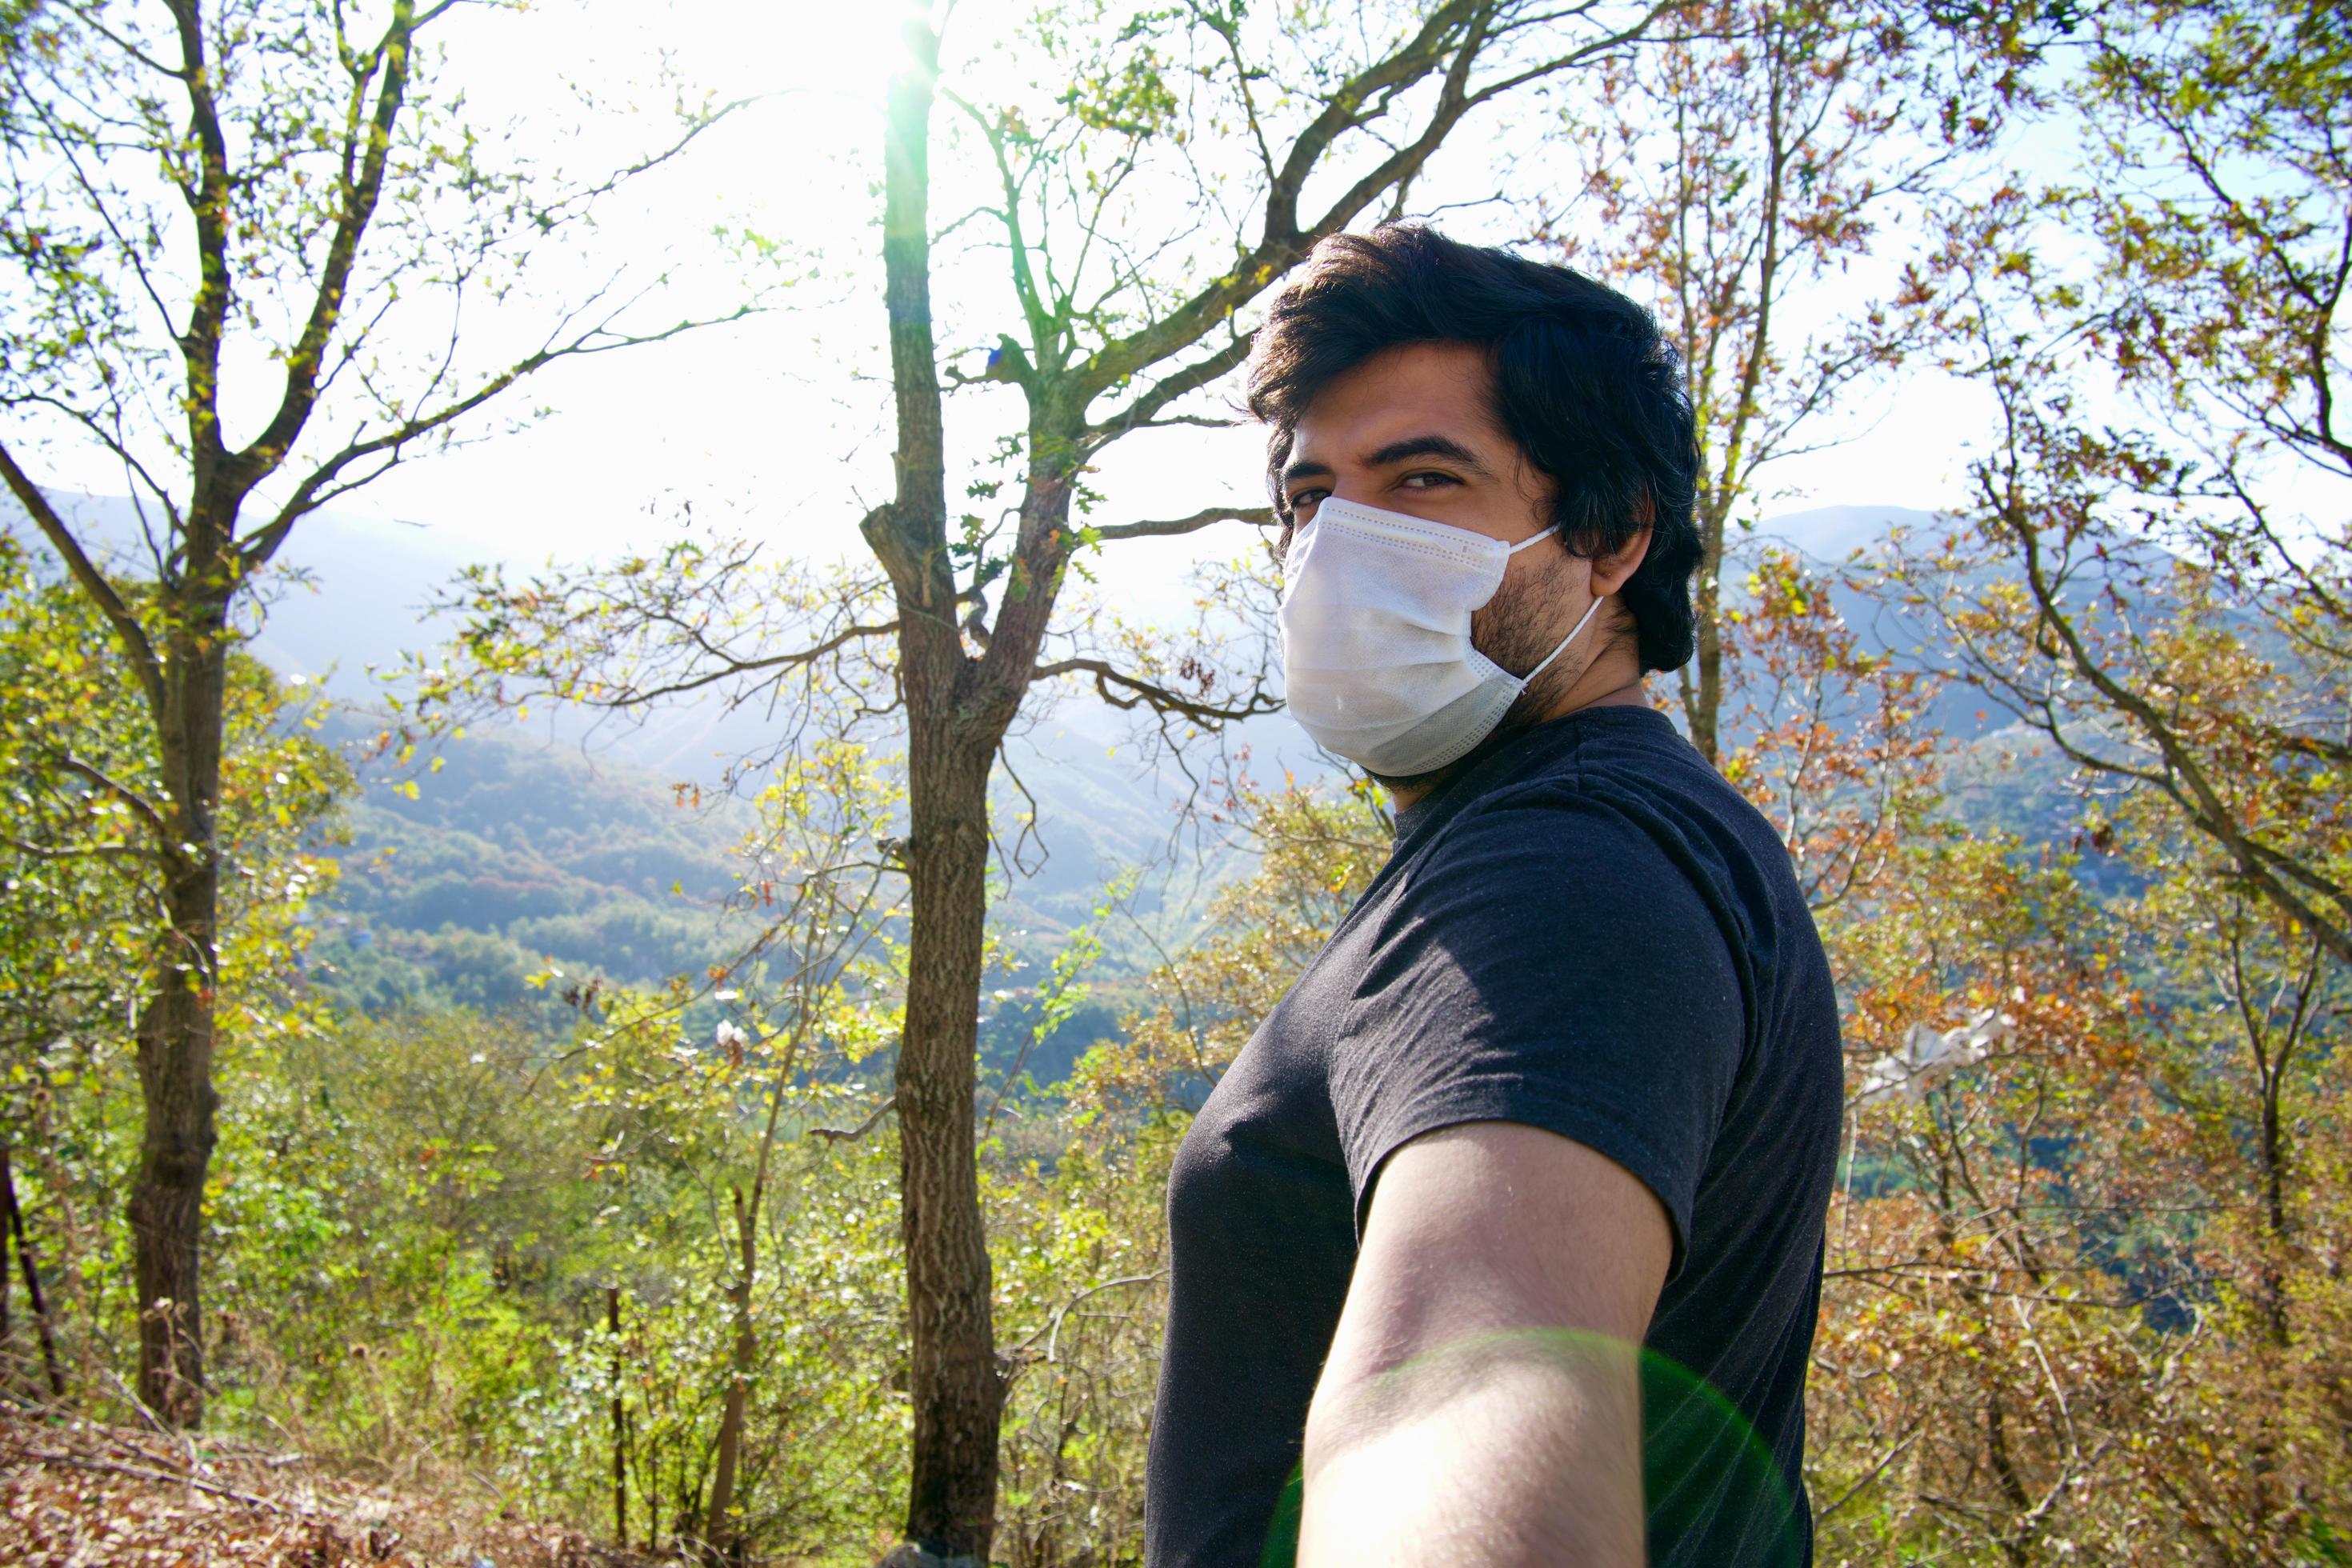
[[620, 1414], [1703, 693], [952, 1380], [959, 1395], [2274, 1214], [175, 1034], [958, 706], [35, 1301], [717, 1534]]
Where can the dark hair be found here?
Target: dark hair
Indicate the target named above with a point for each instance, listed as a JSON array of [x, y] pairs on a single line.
[[1582, 381]]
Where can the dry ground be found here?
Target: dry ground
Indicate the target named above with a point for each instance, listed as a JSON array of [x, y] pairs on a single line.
[[74, 1494]]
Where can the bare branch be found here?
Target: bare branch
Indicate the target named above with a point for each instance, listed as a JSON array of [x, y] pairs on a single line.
[[139, 803], [1256, 515], [81, 851], [1133, 692], [320, 485], [1144, 412], [848, 1134], [101, 593], [208, 204]]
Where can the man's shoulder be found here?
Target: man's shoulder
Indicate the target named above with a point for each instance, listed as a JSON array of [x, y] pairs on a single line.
[[1619, 786], [1619, 846], [1562, 863]]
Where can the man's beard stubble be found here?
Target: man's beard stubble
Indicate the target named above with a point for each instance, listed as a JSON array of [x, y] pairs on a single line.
[[1516, 629]]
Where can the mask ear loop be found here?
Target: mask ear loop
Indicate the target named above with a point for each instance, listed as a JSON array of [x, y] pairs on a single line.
[[1590, 610]]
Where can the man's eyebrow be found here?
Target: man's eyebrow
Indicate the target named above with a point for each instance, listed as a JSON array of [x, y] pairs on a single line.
[[1429, 445], [1400, 451], [1292, 472]]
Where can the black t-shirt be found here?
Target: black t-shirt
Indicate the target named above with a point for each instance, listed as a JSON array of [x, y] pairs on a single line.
[[1590, 932]]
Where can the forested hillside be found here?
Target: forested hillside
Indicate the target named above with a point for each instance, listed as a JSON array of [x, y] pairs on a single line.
[[510, 856], [462, 886], [614, 848], [615, 851]]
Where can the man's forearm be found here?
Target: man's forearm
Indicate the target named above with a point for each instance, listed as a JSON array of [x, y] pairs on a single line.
[[1514, 1447], [1481, 1403]]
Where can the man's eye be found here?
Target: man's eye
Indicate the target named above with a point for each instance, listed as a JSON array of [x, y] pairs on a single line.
[[1427, 480], [1307, 498]]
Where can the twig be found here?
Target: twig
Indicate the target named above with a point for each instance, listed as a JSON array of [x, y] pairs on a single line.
[[140, 1472], [1051, 1331], [1876, 1472], [136, 1403], [843, 1134], [33, 1295]]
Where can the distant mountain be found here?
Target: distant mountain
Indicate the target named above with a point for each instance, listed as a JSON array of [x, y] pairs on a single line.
[[564, 841], [516, 854], [350, 594], [519, 855], [1831, 534], [346, 593]]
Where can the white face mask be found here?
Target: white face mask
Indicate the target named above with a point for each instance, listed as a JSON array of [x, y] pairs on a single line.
[[1376, 653]]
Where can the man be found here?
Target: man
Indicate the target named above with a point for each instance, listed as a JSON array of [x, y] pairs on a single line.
[[1500, 1242]]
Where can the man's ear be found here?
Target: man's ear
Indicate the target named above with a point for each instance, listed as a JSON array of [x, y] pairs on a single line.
[[1614, 567]]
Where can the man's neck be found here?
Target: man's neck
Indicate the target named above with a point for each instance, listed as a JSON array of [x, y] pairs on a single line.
[[1406, 793]]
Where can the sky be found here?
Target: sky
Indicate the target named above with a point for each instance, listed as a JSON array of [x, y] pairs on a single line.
[[776, 428]]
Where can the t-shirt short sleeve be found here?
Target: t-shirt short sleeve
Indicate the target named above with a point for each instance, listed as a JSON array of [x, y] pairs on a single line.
[[1551, 961]]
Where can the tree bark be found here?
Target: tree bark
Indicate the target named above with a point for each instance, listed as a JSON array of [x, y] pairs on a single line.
[[176, 1030], [620, 1414], [1703, 695], [35, 1301], [953, 1382], [959, 1395], [719, 1536]]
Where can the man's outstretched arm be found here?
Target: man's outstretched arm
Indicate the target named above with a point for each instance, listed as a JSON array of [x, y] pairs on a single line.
[[1481, 1404]]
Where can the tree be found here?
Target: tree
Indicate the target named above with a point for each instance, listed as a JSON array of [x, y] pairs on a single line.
[[1982, 1367], [2082, 1294], [199, 198], [1828, 739], [82, 915], [2148, 574], [1095, 332], [700, 1132], [1734, 175], [828, 898], [2245, 1066], [79, 935]]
